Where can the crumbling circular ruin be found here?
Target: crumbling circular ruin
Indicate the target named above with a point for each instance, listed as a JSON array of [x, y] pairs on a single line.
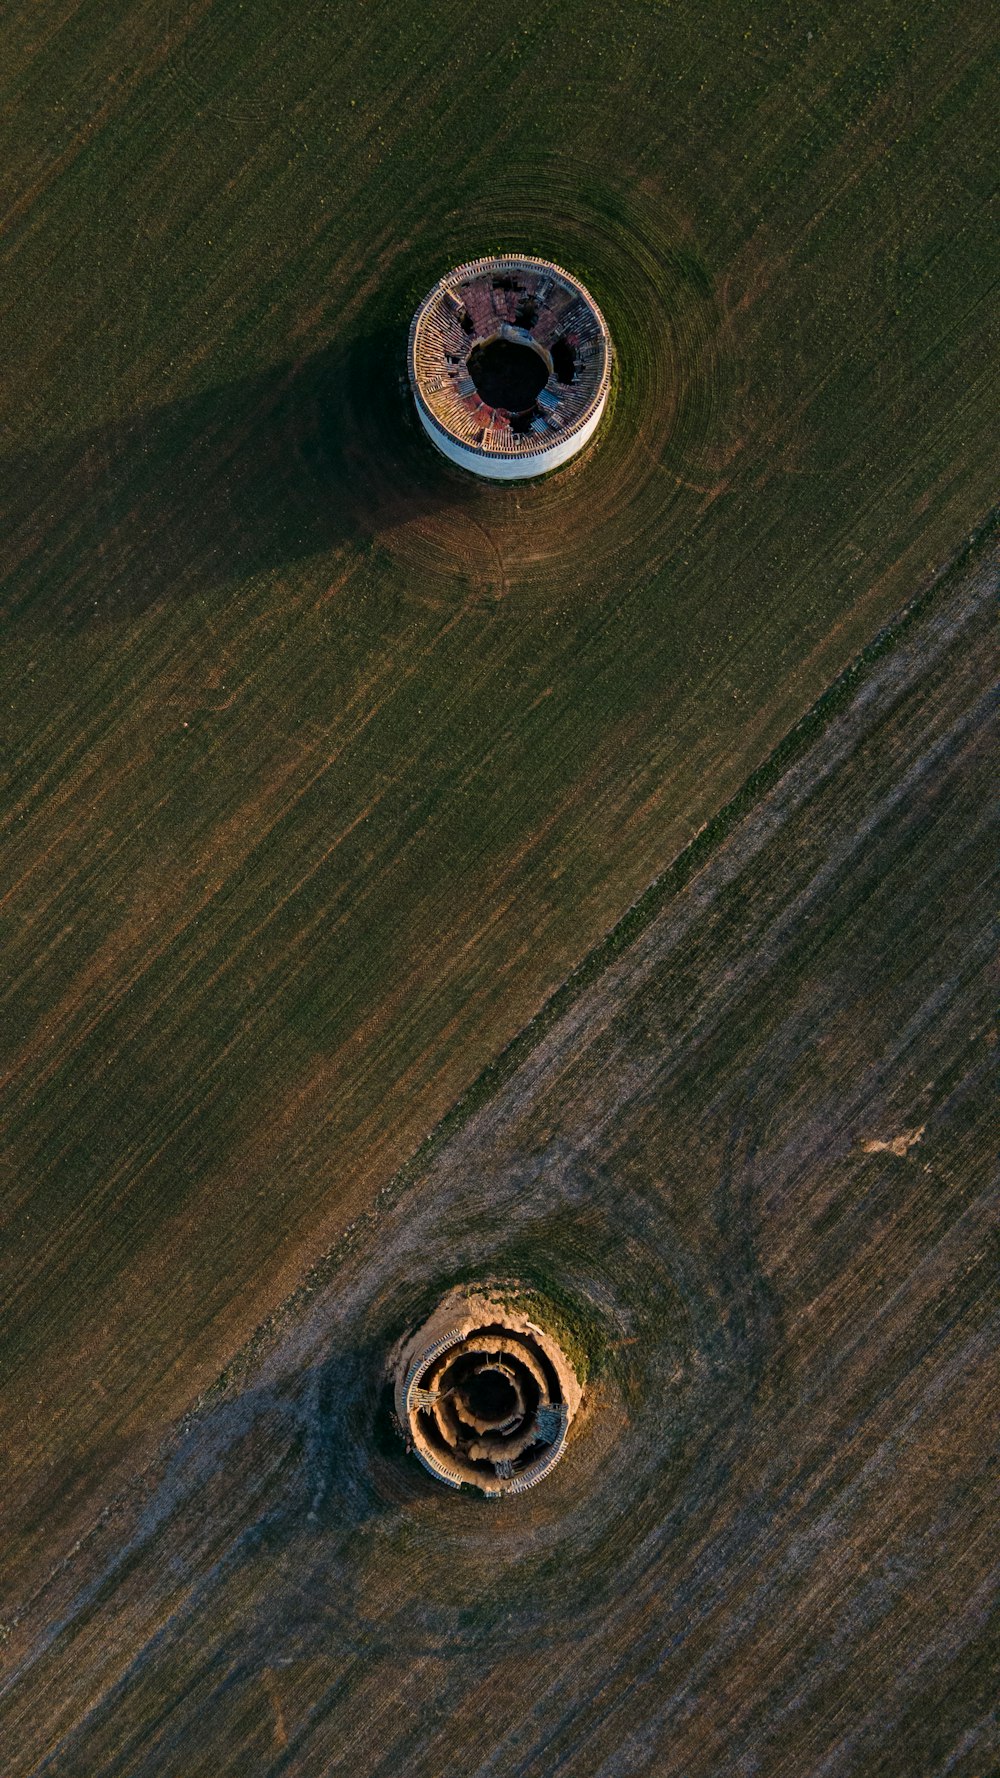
[[510, 365], [484, 1396]]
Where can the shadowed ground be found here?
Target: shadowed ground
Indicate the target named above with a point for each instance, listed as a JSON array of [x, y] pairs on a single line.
[[759, 1150], [241, 480]]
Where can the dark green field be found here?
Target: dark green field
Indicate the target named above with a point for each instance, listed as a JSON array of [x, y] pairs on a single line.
[[325, 765]]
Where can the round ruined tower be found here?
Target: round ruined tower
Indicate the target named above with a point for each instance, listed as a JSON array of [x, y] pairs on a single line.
[[509, 361], [484, 1394]]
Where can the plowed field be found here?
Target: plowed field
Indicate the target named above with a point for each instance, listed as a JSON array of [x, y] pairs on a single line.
[[325, 766], [758, 1151]]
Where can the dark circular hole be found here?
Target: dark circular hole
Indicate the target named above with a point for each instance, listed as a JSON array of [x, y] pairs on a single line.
[[490, 1395], [507, 375]]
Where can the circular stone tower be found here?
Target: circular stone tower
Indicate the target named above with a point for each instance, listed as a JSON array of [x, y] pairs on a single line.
[[483, 1394], [509, 361]]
